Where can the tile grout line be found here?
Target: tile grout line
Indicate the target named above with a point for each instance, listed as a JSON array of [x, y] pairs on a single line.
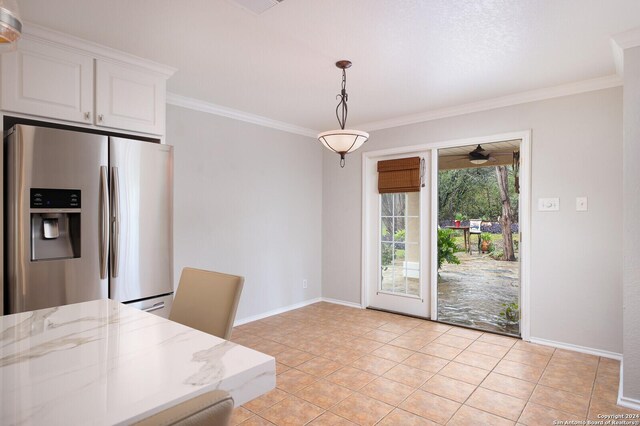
[[590, 396], [593, 387], [474, 390], [397, 406], [479, 384], [536, 385], [407, 397]]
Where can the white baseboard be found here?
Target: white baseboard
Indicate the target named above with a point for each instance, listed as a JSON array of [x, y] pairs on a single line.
[[634, 404], [284, 309], [341, 302], [623, 401], [577, 348]]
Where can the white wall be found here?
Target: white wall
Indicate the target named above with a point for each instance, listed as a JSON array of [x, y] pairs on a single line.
[[576, 257], [248, 201], [631, 235]]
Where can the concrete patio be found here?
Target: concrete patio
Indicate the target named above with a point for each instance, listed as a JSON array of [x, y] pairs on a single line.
[[473, 292]]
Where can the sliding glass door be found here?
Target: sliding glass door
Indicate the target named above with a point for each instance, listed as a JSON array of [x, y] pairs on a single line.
[[478, 278]]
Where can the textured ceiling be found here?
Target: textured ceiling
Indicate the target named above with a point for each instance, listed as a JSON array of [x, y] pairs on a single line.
[[409, 56]]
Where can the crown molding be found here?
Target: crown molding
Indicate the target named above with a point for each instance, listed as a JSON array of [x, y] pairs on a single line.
[[503, 101], [488, 104], [61, 40], [620, 42], [210, 108], [627, 39]]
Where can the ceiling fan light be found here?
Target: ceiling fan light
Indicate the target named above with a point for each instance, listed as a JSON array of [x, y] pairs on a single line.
[[479, 160]]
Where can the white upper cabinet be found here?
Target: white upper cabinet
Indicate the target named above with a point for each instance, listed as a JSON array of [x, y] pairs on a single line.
[[55, 76], [127, 98], [48, 81]]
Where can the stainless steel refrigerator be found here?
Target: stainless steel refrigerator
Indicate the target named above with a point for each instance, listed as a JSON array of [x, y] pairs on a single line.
[[88, 216]]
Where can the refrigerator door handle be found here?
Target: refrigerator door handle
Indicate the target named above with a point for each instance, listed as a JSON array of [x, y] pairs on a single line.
[[104, 222], [115, 223], [155, 307]]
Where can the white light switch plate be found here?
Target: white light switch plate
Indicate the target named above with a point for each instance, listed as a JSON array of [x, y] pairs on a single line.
[[581, 204], [548, 204]]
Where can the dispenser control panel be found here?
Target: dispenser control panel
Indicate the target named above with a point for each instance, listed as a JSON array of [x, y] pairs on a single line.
[[46, 198]]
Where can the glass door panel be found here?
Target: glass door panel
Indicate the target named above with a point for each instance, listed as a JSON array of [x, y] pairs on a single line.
[[400, 244]]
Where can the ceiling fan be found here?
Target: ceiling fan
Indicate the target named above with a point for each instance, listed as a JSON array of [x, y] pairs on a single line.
[[478, 156]]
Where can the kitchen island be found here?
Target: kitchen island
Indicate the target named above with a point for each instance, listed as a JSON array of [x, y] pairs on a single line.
[[105, 363]]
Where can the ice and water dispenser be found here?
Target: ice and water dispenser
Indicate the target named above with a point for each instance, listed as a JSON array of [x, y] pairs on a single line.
[[55, 223]]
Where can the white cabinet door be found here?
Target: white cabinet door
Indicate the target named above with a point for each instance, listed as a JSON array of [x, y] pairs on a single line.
[[129, 98], [41, 79]]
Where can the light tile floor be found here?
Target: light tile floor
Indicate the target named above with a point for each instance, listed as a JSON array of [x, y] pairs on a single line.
[[342, 366]]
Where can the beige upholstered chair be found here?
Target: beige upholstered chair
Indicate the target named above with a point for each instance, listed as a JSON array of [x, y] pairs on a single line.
[[207, 301], [209, 409]]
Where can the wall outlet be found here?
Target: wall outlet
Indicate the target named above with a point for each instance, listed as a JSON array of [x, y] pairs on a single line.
[[305, 283], [581, 204]]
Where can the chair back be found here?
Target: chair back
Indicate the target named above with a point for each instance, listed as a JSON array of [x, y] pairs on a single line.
[[475, 226], [207, 301], [209, 409]]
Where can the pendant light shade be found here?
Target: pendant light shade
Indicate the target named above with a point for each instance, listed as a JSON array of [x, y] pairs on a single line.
[[343, 141], [10, 24], [478, 161]]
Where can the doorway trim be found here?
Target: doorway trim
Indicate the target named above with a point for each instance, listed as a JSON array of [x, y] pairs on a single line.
[[525, 215]]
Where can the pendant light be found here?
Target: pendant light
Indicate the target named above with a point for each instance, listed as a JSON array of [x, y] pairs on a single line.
[[343, 141], [10, 25]]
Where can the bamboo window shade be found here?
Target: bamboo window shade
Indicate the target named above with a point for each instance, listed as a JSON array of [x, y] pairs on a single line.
[[399, 175]]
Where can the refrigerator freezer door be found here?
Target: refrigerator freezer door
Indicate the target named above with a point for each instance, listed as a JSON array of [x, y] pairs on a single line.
[[141, 219], [54, 252], [160, 306]]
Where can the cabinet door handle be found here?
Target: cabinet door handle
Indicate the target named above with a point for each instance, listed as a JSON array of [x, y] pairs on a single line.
[[100, 117], [87, 115]]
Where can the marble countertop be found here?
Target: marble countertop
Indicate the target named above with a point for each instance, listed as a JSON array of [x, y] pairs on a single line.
[[105, 363]]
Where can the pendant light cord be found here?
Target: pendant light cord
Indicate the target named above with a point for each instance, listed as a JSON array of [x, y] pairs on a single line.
[[342, 115]]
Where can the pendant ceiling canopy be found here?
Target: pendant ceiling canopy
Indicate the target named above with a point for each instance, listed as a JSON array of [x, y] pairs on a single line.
[[343, 141]]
